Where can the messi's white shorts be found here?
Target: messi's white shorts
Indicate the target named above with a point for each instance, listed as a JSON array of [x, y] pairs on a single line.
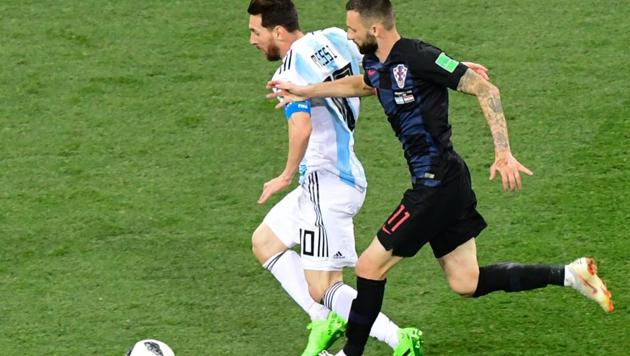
[[317, 215]]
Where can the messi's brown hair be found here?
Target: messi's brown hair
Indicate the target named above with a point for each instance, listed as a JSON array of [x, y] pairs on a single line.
[[275, 13]]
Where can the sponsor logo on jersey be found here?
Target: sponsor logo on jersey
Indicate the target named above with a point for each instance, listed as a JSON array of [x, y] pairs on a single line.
[[404, 97]]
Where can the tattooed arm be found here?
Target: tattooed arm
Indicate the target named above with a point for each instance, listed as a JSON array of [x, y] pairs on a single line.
[[490, 101]]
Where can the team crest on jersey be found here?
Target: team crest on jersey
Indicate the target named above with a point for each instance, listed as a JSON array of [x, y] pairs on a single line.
[[400, 74]]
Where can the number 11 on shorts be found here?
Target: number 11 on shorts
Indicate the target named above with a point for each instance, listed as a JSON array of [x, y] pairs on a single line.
[[396, 219]]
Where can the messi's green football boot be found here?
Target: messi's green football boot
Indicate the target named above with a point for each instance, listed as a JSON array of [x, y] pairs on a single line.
[[324, 333], [410, 342]]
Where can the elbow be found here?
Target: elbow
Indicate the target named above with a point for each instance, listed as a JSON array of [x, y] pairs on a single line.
[[306, 132], [305, 128], [488, 90], [303, 132], [492, 91]]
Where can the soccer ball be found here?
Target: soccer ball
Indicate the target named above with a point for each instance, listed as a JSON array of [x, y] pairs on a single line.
[[150, 347]]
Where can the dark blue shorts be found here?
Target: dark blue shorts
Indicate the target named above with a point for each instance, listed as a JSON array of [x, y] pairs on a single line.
[[444, 216]]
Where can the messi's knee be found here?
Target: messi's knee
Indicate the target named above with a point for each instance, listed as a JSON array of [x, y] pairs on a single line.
[[320, 281], [317, 292], [265, 244], [257, 241]]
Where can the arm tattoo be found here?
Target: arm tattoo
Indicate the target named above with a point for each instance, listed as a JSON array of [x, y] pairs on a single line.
[[469, 82], [495, 105], [493, 111], [490, 101]]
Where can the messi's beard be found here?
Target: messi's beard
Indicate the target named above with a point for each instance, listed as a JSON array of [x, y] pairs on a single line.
[[369, 46], [273, 53]]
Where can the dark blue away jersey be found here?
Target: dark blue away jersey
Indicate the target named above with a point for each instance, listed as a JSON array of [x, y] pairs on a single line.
[[412, 86]]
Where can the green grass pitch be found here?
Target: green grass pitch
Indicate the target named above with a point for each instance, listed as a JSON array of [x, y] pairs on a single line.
[[135, 139]]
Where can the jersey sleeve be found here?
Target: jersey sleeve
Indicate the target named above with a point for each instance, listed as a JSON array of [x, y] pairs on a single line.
[[430, 63], [296, 70], [366, 77], [295, 107]]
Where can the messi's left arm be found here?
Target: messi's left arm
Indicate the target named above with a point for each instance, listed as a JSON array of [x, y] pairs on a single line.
[[300, 127]]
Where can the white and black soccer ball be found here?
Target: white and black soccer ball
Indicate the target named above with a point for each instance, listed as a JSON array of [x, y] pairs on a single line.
[[150, 347]]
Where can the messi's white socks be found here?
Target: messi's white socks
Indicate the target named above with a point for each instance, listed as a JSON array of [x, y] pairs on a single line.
[[287, 268], [339, 298]]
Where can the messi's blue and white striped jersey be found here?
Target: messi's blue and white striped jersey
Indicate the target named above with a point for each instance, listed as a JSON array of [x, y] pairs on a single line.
[[317, 57]]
